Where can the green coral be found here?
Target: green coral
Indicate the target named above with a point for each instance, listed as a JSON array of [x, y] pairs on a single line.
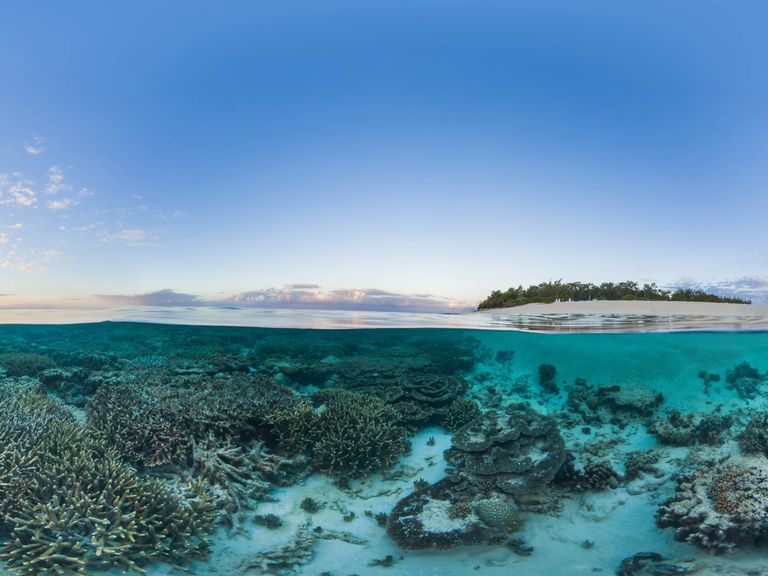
[[68, 504], [356, 434], [460, 413]]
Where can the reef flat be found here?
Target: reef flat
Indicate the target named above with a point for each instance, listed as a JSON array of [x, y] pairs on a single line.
[[154, 448]]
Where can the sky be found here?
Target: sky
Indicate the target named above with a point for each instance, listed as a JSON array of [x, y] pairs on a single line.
[[383, 153]]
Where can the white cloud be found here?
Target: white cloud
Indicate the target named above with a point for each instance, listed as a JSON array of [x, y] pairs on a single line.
[[63, 203], [35, 146], [4, 238], [56, 183], [19, 194], [130, 237]]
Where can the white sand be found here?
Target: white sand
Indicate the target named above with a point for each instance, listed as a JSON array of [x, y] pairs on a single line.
[[638, 308]]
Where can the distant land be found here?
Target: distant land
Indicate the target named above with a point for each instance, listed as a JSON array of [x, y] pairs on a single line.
[[548, 292]]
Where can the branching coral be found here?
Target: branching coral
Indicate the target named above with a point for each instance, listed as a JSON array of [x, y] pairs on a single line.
[[70, 505], [356, 434], [143, 427], [460, 413]]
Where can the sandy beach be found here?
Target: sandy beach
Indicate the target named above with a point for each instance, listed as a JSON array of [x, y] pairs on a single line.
[[638, 308]]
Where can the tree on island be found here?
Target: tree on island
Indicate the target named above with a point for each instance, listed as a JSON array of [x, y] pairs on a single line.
[[547, 292]]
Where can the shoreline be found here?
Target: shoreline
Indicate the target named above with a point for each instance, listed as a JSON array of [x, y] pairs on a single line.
[[636, 308]]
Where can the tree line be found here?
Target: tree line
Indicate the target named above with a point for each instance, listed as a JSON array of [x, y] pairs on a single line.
[[547, 292]]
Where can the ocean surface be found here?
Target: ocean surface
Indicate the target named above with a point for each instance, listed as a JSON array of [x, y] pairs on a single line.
[[422, 445]]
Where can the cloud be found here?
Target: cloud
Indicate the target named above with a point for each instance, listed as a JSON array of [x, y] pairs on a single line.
[[305, 296], [4, 238], [166, 297], [56, 183], [311, 296], [754, 288], [130, 237], [35, 146], [16, 191]]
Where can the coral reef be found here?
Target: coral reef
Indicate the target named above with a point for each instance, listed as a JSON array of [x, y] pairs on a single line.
[[460, 413], [754, 438], [516, 451], [638, 462], [440, 516], [70, 505], [232, 470], [594, 475], [719, 507], [618, 404], [140, 424], [745, 379], [678, 429], [547, 374], [356, 434], [24, 363]]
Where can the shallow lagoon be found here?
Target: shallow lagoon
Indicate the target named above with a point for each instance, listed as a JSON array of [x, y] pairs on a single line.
[[562, 449]]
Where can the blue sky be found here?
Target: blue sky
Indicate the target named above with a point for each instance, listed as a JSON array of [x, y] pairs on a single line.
[[402, 148]]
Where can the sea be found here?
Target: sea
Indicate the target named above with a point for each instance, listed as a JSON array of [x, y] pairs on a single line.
[[241, 441]]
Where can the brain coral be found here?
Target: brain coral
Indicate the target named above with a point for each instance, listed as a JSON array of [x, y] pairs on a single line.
[[719, 508]]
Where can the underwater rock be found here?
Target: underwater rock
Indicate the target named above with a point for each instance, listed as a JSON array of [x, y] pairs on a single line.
[[594, 475], [745, 379], [639, 399], [618, 403], [686, 430], [516, 451], [428, 519], [547, 378], [639, 461], [754, 438], [719, 507]]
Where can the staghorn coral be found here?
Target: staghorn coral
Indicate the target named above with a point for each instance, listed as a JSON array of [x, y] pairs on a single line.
[[460, 413], [719, 507], [294, 426], [356, 434], [517, 451], [24, 363], [233, 470], [140, 424], [69, 505]]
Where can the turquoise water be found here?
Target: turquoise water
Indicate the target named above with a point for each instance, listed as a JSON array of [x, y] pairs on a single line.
[[237, 450]]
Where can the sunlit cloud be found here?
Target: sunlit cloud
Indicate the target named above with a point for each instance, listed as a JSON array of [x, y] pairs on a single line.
[[35, 146], [305, 296], [16, 190], [311, 296]]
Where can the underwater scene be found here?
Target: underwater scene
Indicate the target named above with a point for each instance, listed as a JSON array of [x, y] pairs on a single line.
[[170, 449]]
